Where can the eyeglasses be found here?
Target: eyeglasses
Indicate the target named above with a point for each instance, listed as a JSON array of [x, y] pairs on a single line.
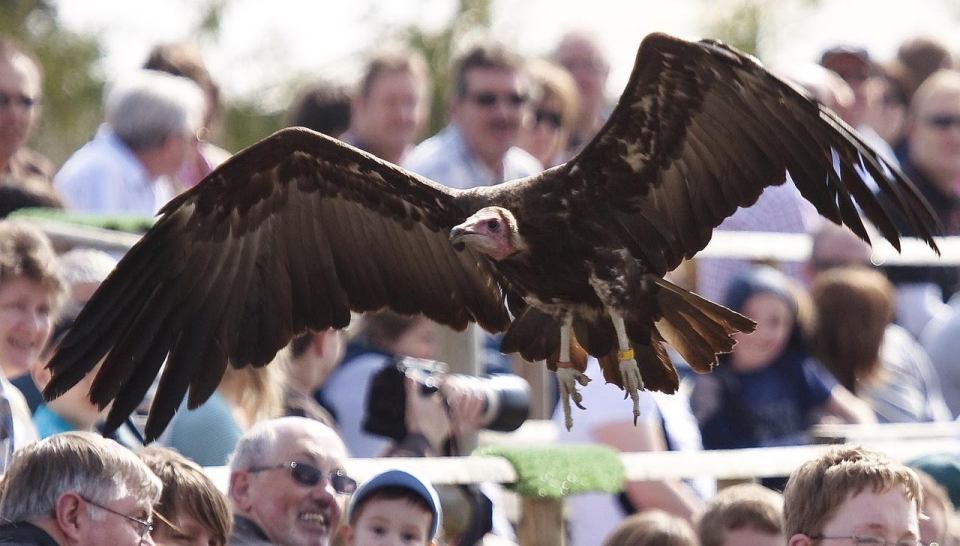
[[488, 99], [145, 525], [554, 119], [943, 121], [309, 475], [21, 100], [876, 541]]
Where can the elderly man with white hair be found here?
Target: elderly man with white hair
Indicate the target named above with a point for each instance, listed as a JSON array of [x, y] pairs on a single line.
[[287, 484], [151, 125], [77, 489]]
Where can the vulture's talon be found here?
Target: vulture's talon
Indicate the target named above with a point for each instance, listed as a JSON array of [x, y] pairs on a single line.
[[632, 383], [568, 378]]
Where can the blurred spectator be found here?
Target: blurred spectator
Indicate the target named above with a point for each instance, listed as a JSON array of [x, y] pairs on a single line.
[[310, 358], [393, 507], [546, 135], [882, 364], [80, 489], [855, 66], [746, 513], [478, 147], [70, 411], [191, 510], [941, 340], [580, 53], [323, 107], [654, 528], [287, 484], [184, 59], [665, 423], [30, 293], [21, 169], [768, 391], [383, 336], [245, 396], [888, 99], [922, 56], [151, 126], [933, 163], [821, 83], [82, 269], [389, 109], [852, 492]]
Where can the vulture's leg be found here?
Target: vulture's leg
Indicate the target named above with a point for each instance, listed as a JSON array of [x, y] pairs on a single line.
[[567, 375], [629, 371]]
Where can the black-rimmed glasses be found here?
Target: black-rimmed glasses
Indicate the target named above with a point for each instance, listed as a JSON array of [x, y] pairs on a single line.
[[875, 541], [309, 475], [145, 525]]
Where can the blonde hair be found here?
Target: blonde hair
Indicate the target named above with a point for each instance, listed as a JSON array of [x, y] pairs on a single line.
[[819, 486], [653, 528], [256, 391], [746, 505]]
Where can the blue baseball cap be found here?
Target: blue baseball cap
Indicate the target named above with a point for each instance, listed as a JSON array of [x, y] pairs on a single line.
[[404, 480]]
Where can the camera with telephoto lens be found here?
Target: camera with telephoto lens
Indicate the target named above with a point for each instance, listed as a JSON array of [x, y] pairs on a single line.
[[506, 397]]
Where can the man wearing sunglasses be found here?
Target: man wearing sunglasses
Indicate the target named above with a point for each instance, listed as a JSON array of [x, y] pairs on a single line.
[[287, 484], [487, 104], [933, 163], [78, 489]]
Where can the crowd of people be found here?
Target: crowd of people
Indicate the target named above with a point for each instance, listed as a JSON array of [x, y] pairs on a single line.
[[839, 337]]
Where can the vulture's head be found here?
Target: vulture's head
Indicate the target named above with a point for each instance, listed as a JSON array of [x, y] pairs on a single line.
[[492, 231]]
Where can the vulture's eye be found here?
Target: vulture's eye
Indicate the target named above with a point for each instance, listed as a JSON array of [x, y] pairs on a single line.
[[494, 224]]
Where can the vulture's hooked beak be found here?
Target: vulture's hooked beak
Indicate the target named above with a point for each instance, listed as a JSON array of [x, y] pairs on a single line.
[[457, 234]]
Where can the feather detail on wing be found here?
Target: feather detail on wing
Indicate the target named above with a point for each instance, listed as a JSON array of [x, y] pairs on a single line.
[[702, 129], [292, 233]]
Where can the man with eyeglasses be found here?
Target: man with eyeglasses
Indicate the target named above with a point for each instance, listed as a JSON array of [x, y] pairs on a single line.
[[77, 489], [852, 496], [287, 484], [21, 169], [487, 106], [933, 163]]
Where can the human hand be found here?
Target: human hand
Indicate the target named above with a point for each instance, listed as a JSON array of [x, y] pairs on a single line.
[[427, 415], [467, 401]]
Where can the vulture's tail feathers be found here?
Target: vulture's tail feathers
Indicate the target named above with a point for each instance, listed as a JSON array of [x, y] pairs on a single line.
[[697, 328]]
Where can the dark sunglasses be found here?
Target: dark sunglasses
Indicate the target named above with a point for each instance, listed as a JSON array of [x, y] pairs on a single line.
[[23, 101], [488, 99], [554, 119], [309, 475], [943, 121]]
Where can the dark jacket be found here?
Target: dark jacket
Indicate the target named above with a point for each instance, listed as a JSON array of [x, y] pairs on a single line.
[[247, 533], [25, 534]]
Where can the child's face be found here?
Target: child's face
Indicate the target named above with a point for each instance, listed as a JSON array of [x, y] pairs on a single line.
[[389, 522], [774, 320]]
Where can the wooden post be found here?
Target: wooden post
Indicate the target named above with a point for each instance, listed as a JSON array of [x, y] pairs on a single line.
[[541, 521]]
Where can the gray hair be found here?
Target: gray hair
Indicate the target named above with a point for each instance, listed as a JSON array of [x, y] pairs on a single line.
[[82, 462], [147, 107], [259, 443], [85, 265]]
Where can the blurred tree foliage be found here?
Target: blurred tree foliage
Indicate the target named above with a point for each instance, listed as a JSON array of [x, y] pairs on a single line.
[[72, 85], [439, 48]]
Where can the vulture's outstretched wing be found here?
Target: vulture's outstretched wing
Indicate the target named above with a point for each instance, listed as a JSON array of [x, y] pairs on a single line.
[[702, 129], [292, 233]]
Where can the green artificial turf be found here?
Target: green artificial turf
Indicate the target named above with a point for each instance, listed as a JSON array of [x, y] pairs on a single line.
[[562, 471]]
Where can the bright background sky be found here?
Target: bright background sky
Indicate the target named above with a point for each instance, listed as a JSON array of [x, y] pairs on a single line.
[[265, 42]]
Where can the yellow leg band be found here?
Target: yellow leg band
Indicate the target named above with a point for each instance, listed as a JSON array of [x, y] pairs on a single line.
[[625, 355]]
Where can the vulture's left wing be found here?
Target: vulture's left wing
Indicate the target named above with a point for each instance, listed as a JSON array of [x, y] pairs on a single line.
[[702, 129], [292, 233]]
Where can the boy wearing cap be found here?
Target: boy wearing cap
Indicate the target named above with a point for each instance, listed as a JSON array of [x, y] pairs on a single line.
[[393, 507]]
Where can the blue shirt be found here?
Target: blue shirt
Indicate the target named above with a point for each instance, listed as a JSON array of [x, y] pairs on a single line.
[[445, 158], [49, 423], [104, 176]]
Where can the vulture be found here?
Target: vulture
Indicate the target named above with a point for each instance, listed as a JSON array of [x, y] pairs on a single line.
[[299, 229]]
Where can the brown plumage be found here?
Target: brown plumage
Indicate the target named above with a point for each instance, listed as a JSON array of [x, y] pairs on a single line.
[[299, 229]]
